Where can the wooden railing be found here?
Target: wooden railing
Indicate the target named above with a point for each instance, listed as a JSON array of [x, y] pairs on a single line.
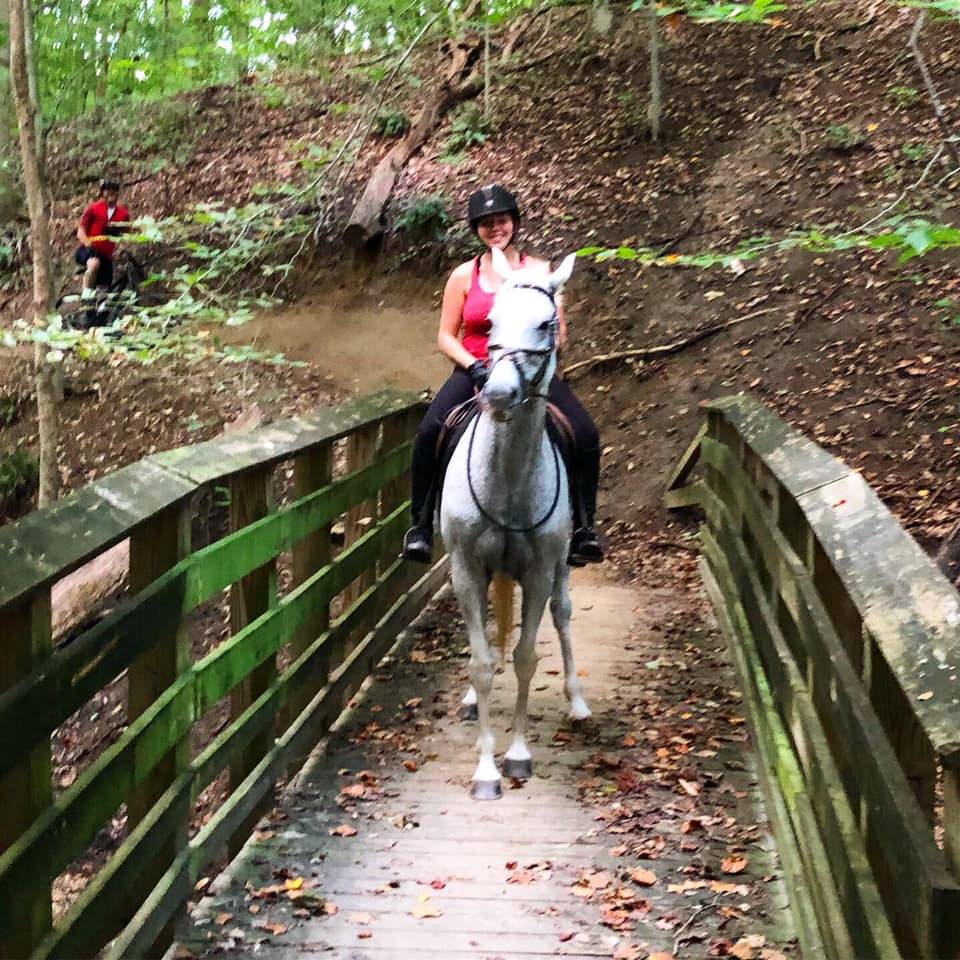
[[275, 715], [847, 641]]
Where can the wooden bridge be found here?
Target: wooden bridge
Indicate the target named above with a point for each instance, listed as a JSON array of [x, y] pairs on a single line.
[[629, 841]]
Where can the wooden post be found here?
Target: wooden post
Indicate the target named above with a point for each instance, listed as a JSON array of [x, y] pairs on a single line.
[[361, 450], [251, 499], [26, 790], [155, 547], [397, 429], [951, 818], [311, 471]]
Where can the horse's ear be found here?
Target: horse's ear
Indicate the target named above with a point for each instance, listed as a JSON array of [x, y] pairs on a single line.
[[500, 263], [562, 274]]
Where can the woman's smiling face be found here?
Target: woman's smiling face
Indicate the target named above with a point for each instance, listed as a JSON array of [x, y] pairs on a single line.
[[496, 229]]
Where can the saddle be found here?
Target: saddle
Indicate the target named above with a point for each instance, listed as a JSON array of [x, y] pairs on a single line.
[[461, 416]]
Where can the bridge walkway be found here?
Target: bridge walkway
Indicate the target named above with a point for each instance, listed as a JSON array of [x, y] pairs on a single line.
[[642, 832]]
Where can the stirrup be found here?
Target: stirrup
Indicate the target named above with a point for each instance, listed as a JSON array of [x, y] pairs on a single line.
[[418, 545], [584, 548]]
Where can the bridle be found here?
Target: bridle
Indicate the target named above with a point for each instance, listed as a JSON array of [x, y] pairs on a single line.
[[526, 390], [512, 354]]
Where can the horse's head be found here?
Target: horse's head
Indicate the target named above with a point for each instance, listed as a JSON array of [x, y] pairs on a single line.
[[523, 333]]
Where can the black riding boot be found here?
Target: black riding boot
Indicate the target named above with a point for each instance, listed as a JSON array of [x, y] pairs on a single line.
[[584, 546], [418, 540]]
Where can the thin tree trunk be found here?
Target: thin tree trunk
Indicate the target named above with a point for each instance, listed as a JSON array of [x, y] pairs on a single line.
[[653, 109], [21, 59]]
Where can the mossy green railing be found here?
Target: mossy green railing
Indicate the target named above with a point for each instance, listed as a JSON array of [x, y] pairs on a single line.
[[847, 642], [288, 668]]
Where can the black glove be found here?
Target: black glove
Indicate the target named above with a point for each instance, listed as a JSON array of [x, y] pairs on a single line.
[[479, 372]]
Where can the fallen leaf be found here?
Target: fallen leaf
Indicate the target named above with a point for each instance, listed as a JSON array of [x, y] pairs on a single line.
[[344, 830], [355, 790], [360, 918], [734, 864], [223, 918], [295, 884], [646, 878], [411, 765], [364, 935], [330, 908], [277, 929], [423, 911], [628, 951]]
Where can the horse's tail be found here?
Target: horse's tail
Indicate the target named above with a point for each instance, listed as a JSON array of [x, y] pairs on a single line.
[[503, 611]]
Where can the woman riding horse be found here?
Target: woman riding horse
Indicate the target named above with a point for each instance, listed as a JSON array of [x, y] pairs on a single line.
[[494, 217]]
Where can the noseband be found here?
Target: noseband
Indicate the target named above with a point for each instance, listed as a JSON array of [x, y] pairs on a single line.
[[527, 386]]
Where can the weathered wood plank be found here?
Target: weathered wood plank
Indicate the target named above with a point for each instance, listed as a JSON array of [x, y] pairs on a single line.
[[92, 919], [58, 687], [216, 460], [25, 790], [227, 665], [251, 499], [155, 547], [684, 467], [361, 450], [312, 471], [63, 831], [48, 544]]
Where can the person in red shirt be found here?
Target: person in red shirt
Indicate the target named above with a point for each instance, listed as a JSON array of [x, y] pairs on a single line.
[[103, 219], [494, 216]]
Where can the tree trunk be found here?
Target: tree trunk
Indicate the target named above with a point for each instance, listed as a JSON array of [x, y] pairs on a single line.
[[9, 199], [653, 108], [28, 118], [367, 222]]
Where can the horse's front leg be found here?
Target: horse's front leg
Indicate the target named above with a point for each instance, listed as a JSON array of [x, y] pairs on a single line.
[[517, 761], [470, 585], [560, 609]]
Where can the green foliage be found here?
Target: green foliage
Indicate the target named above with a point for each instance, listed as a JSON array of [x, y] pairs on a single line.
[[19, 473], [755, 12], [9, 409], [915, 151], [904, 96], [951, 317], [470, 128], [273, 96], [843, 136], [909, 236], [391, 124], [425, 217]]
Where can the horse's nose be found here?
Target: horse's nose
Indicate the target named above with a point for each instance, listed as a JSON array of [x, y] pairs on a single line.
[[502, 390]]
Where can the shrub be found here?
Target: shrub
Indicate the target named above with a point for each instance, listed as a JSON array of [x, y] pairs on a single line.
[[425, 217], [470, 128], [842, 136], [19, 474], [391, 124]]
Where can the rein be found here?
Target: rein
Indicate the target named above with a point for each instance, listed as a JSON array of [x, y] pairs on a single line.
[[525, 385]]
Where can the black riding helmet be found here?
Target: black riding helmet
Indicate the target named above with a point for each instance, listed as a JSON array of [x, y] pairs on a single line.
[[491, 199], [109, 185]]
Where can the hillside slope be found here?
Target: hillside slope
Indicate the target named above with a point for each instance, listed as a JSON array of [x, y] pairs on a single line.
[[818, 120]]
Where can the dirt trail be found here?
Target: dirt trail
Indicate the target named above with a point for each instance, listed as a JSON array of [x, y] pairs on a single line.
[[362, 335]]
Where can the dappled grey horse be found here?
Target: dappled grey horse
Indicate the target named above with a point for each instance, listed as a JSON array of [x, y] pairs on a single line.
[[505, 511]]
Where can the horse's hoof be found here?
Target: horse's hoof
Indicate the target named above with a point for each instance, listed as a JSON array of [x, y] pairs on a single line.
[[486, 789], [518, 769], [468, 711]]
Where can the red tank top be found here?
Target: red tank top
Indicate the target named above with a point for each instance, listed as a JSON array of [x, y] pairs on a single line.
[[476, 314]]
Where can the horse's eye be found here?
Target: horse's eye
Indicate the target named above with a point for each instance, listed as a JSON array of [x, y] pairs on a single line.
[[544, 326]]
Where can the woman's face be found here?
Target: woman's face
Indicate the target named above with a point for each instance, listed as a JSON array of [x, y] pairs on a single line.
[[496, 230]]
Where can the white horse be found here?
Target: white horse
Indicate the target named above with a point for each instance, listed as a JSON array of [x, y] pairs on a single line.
[[505, 510]]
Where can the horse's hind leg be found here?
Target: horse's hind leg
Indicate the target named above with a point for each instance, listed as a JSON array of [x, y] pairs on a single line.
[[560, 608], [470, 586], [517, 761]]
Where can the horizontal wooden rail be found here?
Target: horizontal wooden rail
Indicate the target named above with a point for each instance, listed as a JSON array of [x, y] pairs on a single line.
[[847, 640], [276, 714]]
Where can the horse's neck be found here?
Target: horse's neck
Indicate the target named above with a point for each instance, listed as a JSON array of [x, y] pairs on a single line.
[[517, 445]]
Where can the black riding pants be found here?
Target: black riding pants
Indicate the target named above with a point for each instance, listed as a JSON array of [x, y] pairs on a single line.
[[459, 389]]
